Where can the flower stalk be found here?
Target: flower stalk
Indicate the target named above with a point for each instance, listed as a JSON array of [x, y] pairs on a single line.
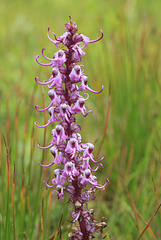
[[67, 91]]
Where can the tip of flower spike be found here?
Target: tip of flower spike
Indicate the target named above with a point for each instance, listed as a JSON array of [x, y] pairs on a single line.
[[71, 26]]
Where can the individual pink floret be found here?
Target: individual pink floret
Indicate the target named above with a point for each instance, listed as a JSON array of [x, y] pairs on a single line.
[[72, 147], [84, 86], [59, 58], [87, 152], [56, 78], [58, 134], [78, 52], [64, 112], [76, 73], [70, 170], [79, 106], [59, 191], [52, 119]]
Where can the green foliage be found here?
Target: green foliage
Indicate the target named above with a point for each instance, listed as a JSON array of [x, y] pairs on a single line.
[[127, 63]]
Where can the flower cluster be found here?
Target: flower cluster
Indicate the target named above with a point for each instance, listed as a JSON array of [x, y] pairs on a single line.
[[68, 80]]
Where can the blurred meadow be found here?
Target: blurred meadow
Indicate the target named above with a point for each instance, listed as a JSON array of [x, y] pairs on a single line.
[[125, 126]]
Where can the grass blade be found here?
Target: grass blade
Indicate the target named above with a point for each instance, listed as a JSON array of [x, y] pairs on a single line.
[[147, 226], [13, 212]]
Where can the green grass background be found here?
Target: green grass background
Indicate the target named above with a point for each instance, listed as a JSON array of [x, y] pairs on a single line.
[[128, 63]]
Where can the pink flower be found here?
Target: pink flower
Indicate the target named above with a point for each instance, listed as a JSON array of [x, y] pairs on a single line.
[[79, 106], [64, 112], [59, 191], [56, 80], [75, 74], [78, 52], [59, 58], [72, 147], [58, 134], [70, 170]]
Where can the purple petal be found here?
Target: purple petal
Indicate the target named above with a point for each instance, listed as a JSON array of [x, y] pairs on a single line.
[[43, 64], [88, 88], [41, 110], [46, 146], [48, 165]]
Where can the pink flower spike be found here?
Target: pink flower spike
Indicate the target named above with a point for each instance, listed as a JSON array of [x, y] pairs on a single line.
[[68, 92], [43, 64]]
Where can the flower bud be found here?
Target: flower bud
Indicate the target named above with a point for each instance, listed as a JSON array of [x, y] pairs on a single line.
[[77, 204]]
